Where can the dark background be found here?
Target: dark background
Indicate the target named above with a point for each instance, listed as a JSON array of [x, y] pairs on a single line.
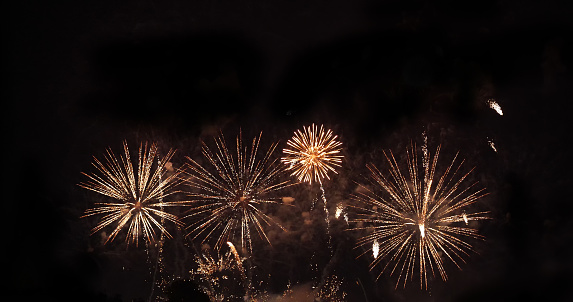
[[84, 75]]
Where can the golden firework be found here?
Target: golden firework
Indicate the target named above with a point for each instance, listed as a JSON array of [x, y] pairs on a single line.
[[420, 221], [314, 153], [139, 194], [230, 196]]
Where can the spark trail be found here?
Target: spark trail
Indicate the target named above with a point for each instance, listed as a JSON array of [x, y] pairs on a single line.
[[159, 265]]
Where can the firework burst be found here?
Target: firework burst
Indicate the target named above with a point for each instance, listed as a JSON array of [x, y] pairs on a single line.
[[314, 153], [231, 196], [420, 221], [139, 193]]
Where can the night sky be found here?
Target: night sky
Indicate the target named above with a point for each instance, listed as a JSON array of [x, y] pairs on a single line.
[[83, 76]]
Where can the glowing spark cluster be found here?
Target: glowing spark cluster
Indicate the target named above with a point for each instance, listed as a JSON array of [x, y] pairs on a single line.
[[341, 212], [139, 194], [339, 209], [229, 196], [416, 221], [314, 153], [331, 290], [375, 248], [495, 106]]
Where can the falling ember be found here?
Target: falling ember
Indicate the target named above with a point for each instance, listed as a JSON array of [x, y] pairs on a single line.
[[139, 194], [326, 218], [495, 106], [418, 197], [492, 145], [375, 248]]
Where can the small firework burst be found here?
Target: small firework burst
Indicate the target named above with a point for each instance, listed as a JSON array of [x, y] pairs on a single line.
[[314, 153], [208, 267], [420, 221], [139, 194], [229, 198], [216, 275]]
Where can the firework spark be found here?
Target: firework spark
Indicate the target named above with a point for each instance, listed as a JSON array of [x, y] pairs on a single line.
[[229, 199], [491, 144], [495, 106], [140, 197], [339, 210], [314, 153], [375, 248], [416, 222]]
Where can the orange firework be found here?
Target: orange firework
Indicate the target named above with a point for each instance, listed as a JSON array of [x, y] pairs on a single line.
[[140, 198], [314, 153], [420, 221]]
